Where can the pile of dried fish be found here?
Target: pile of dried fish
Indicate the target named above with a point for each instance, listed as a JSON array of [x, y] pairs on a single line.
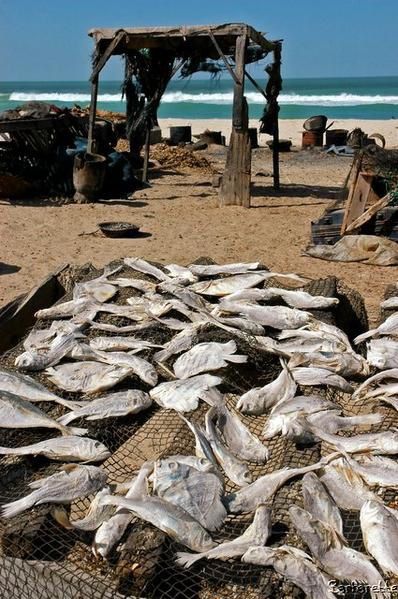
[[119, 373]]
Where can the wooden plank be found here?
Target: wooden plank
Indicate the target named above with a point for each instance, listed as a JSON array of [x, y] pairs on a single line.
[[359, 200], [146, 154], [13, 326], [256, 85], [238, 108], [369, 213], [93, 112], [107, 53], [352, 179], [223, 57], [235, 184]]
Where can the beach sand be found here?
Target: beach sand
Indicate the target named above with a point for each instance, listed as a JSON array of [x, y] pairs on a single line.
[[181, 216]]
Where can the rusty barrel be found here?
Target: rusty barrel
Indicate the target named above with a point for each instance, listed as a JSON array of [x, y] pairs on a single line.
[[312, 139]]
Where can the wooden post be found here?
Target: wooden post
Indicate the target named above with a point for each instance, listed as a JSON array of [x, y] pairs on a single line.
[[93, 111], [146, 154], [235, 185], [275, 145]]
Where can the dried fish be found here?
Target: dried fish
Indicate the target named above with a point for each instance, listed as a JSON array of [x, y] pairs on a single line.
[[295, 565], [210, 270], [320, 376], [390, 304], [139, 284], [302, 299], [69, 309], [257, 533], [96, 514], [87, 377], [112, 530], [99, 289], [179, 343], [326, 545], [182, 273], [264, 488], [375, 470], [27, 388], [276, 317], [65, 449], [72, 482], [383, 353], [16, 412], [205, 357], [331, 422], [198, 493], [238, 437], [112, 405], [388, 327], [347, 364], [258, 400], [203, 448], [121, 344], [345, 485], [319, 503], [236, 470], [169, 518], [385, 442], [60, 347], [140, 367], [376, 378], [380, 535], [183, 395], [145, 267], [227, 285]]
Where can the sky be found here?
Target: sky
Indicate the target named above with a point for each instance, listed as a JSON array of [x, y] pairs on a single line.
[[42, 40]]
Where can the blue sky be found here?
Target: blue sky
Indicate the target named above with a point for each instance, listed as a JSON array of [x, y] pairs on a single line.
[[47, 40]]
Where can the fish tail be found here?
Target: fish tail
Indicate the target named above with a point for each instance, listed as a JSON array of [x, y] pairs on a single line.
[[237, 358], [67, 418], [364, 336], [59, 514], [186, 560], [71, 405], [11, 450], [9, 510], [161, 355], [72, 430]]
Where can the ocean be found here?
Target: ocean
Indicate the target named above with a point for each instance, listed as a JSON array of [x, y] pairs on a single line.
[[356, 98]]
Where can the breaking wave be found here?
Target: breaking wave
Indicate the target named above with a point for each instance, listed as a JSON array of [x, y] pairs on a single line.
[[215, 98]]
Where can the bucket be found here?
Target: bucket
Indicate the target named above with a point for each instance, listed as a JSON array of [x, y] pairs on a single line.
[[312, 139], [88, 176], [337, 137], [180, 135]]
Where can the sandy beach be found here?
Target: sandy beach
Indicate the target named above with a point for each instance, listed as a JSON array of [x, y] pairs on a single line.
[[180, 215]]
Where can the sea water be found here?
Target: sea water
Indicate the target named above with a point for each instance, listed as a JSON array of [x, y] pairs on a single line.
[[357, 98]]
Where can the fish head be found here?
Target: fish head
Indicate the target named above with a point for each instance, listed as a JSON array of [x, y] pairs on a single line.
[[371, 513], [29, 360], [166, 472], [243, 475], [247, 403], [98, 452], [309, 529]]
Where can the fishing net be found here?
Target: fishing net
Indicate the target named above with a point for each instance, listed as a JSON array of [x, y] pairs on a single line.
[[40, 559]]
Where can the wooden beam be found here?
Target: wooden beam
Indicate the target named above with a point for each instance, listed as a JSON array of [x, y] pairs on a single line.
[[259, 39], [238, 109], [105, 56], [359, 198], [353, 176], [275, 145], [369, 213], [146, 154], [93, 111], [223, 57], [256, 85]]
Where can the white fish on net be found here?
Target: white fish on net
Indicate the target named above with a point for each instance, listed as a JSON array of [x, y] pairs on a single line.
[[205, 357]]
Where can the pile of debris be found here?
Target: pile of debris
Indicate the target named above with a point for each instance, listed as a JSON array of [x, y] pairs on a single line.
[[180, 157]]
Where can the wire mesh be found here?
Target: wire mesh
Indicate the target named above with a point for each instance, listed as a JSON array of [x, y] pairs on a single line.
[[40, 559]]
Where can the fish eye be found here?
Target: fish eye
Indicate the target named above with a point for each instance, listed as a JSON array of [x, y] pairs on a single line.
[[172, 465]]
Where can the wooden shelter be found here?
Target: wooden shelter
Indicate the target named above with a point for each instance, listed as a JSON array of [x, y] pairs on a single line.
[[231, 44]]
